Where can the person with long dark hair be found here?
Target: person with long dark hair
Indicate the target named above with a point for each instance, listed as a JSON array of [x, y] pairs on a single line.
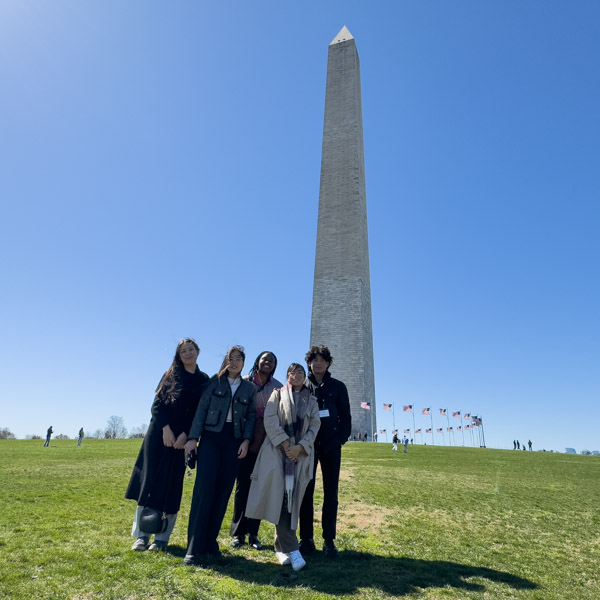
[[261, 375], [157, 478], [285, 463], [224, 424]]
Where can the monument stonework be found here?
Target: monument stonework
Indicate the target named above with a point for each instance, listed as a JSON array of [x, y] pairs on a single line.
[[341, 310]]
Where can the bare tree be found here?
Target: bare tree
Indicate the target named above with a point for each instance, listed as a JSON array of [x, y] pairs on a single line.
[[61, 436], [138, 432], [98, 434], [115, 428], [6, 434]]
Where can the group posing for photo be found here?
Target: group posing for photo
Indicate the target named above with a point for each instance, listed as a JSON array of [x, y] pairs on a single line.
[[252, 432]]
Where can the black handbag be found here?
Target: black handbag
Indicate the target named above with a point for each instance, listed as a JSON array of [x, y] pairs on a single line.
[[153, 521]]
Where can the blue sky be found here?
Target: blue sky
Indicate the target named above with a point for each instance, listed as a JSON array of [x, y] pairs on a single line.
[[159, 178]]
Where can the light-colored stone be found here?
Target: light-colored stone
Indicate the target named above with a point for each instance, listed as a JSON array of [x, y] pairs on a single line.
[[341, 312]]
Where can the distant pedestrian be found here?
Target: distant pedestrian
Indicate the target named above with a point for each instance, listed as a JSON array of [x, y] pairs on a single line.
[[411, 441], [366, 436], [49, 433], [375, 437], [530, 444], [405, 442], [359, 436], [514, 444], [395, 442], [518, 445], [80, 437]]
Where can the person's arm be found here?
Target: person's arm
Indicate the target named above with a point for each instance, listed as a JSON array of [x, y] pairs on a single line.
[[308, 439], [344, 415], [199, 420], [275, 433]]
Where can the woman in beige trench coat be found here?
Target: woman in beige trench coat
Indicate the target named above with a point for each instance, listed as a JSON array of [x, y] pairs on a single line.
[[285, 463]]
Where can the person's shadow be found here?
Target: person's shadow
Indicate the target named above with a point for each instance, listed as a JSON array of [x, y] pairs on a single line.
[[395, 576]]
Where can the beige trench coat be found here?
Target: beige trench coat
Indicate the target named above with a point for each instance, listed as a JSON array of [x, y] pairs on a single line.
[[267, 480]]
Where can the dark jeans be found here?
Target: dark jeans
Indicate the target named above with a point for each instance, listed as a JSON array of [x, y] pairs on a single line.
[[215, 476], [330, 470], [240, 524]]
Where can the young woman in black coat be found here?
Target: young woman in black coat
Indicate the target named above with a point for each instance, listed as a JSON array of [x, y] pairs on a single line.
[[157, 478]]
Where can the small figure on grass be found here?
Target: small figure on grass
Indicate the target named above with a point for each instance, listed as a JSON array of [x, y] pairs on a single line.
[[49, 433]]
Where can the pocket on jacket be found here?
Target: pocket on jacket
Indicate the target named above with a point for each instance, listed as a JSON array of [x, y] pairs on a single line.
[[212, 417]]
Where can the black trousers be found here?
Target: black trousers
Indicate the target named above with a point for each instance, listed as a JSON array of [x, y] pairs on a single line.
[[215, 476], [240, 524], [330, 470]]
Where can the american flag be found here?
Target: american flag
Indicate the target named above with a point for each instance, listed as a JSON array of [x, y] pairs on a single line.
[[407, 408], [449, 428], [426, 411], [458, 428], [467, 427], [428, 430], [407, 431], [440, 430], [467, 415], [417, 431], [456, 413], [443, 412], [365, 405], [394, 431], [382, 431], [387, 406], [476, 421]]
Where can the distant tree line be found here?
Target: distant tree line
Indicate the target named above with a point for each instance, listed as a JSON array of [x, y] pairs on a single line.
[[115, 429]]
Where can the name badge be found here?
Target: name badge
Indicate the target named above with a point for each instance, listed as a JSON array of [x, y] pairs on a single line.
[[324, 413]]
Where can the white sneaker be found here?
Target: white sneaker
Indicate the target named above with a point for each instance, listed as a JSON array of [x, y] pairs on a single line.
[[283, 558], [297, 561]]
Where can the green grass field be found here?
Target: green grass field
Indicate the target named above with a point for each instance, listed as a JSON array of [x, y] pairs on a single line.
[[433, 523]]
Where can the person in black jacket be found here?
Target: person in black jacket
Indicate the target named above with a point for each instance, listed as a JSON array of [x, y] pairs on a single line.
[[336, 426], [223, 425], [157, 478]]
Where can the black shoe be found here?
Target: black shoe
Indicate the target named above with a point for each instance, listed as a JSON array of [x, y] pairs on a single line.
[[191, 560], [307, 546], [255, 542], [238, 541], [330, 550]]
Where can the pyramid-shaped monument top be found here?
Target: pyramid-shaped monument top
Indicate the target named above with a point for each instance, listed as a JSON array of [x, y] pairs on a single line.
[[343, 36]]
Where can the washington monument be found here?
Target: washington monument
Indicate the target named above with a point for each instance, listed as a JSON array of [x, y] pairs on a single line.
[[341, 310]]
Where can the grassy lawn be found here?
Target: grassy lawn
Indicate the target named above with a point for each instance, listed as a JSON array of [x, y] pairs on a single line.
[[433, 523]]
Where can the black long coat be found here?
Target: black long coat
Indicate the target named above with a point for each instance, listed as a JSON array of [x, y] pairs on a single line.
[[157, 478]]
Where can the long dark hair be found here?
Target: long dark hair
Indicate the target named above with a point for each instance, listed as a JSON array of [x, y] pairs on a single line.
[[170, 385], [254, 370]]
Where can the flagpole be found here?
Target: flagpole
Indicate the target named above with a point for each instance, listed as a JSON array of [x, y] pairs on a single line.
[[448, 421], [414, 426], [432, 438], [482, 432], [373, 409]]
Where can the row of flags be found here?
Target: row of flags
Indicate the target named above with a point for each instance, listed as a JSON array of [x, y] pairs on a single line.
[[438, 430], [427, 411]]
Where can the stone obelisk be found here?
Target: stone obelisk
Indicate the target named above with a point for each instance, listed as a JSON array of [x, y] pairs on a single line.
[[341, 310]]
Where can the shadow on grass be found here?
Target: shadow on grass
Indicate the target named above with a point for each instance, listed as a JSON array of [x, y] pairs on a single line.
[[395, 576]]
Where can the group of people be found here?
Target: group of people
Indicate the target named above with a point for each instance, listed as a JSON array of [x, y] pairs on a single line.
[[518, 446], [254, 432], [395, 441], [50, 431]]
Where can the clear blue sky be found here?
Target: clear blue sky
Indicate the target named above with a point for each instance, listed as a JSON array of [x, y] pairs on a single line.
[[159, 178]]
